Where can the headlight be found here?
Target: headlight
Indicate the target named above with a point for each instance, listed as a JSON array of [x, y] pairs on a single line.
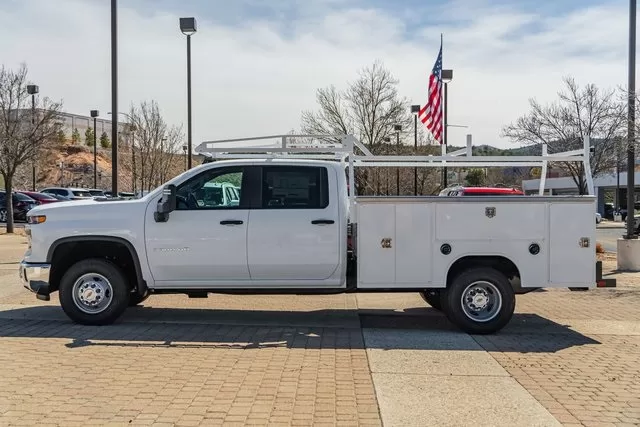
[[36, 219]]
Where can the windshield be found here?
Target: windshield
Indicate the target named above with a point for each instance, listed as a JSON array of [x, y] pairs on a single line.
[[96, 192], [79, 193], [43, 196], [22, 197]]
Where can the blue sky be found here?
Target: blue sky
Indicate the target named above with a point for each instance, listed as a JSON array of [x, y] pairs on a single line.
[[257, 64]]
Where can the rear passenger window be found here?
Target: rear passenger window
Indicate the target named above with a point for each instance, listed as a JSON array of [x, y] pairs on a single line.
[[295, 187]]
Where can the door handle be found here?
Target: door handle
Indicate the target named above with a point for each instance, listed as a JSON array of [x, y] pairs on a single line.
[[322, 221], [231, 222]]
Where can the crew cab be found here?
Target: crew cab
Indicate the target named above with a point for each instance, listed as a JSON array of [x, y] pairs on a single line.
[[288, 233]]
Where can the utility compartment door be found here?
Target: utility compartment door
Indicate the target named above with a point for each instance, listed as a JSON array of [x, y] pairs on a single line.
[[376, 244], [414, 235], [571, 264]]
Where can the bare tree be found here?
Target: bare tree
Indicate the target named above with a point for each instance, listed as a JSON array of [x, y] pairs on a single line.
[[368, 108], [156, 144], [21, 131], [563, 125]]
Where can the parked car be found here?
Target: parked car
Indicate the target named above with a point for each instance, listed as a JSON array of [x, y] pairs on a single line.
[[41, 198], [480, 191], [96, 192], [70, 193], [21, 205], [598, 218]]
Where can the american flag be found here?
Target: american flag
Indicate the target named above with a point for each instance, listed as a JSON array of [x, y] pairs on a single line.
[[431, 113]]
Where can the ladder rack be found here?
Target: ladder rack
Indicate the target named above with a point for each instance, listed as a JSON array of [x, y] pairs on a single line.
[[342, 148]]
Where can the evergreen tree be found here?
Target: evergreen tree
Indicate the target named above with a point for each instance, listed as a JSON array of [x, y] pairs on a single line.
[[75, 136], [88, 137], [104, 140]]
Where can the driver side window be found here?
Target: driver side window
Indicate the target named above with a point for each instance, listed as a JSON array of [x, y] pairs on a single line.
[[212, 189]]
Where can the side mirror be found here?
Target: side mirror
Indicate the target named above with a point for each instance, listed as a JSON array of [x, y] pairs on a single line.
[[167, 204]]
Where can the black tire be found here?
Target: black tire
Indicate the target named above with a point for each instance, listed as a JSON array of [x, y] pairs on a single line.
[[432, 297], [119, 295], [135, 298], [496, 318]]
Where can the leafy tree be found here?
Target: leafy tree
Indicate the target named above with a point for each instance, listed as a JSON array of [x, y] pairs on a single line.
[[475, 178], [75, 136], [104, 140], [88, 137]]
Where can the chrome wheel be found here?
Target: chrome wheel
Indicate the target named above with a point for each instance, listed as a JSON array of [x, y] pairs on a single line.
[[3, 215], [92, 293], [481, 301]]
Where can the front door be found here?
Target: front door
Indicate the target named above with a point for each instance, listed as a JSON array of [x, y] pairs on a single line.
[[205, 239], [294, 233]]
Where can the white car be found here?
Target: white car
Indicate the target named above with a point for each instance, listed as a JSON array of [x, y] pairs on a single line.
[[598, 217], [69, 193]]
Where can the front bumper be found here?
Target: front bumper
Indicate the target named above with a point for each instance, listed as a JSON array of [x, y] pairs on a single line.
[[35, 277]]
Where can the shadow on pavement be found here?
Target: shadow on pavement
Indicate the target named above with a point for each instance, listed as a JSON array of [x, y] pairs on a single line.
[[416, 328]]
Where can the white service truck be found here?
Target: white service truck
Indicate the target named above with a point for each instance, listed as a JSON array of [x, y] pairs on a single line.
[[298, 229]]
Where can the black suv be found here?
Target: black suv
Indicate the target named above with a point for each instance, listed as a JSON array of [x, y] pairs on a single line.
[[21, 205]]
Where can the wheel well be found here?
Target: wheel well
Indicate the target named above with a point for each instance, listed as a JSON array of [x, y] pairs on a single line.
[[68, 253], [500, 263]]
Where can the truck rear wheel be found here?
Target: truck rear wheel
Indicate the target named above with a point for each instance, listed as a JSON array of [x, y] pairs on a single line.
[[94, 292], [479, 301], [432, 297]]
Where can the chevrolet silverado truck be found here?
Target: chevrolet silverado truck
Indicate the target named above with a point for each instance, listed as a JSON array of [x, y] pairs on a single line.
[[288, 233]]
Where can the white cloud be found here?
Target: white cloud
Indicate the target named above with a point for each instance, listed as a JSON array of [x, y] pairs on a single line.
[[251, 79]]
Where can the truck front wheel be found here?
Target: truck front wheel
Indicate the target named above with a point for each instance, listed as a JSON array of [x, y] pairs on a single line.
[[479, 301], [94, 292]]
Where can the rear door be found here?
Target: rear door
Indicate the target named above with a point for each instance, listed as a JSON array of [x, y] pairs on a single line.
[[294, 233]]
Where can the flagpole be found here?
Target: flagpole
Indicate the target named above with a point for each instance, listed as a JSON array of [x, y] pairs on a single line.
[[444, 107]]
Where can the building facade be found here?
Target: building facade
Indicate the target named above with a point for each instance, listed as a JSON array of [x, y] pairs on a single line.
[[71, 121]]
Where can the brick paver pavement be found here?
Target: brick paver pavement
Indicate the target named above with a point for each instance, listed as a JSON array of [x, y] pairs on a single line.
[[182, 374], [582, 379]]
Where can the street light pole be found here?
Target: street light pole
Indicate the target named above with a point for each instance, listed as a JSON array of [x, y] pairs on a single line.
[[631, 156], [114, 98], [94, 114], [397, 128], [32, 90], [415, 110], [188, 27]]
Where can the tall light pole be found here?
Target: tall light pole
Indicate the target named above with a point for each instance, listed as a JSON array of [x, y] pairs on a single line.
[[631, 154], [188, 27], [32, 90], [114, 97], [447, 76], [397, 129], [95, 114], [387, 139], [415, 110]]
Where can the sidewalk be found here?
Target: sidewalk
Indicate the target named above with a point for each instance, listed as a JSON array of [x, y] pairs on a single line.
[[610, 224]]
